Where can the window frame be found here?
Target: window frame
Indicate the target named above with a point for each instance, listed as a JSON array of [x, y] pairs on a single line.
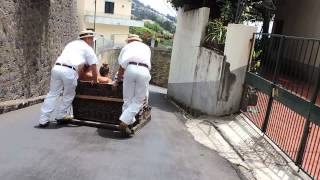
[[109, 9]]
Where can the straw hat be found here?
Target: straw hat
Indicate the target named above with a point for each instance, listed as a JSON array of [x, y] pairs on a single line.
[[86, 33], [133, 37]]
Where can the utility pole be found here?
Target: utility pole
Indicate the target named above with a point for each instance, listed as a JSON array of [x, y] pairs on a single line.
[[95, 14], [94, 24]]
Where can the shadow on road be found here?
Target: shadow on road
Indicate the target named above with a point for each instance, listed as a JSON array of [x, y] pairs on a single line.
[[105, 133], [158, 100], [54, 125]]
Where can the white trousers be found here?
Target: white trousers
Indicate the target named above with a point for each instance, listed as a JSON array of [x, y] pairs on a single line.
[[135, 88], [63, 79]]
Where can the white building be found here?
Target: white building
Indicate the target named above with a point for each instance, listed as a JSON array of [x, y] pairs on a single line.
[[113, 18]]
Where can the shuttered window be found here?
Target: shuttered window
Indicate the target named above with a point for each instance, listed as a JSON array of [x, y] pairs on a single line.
[[109, 7]]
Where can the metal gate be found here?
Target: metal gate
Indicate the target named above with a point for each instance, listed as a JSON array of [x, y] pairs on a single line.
[[282, 96]]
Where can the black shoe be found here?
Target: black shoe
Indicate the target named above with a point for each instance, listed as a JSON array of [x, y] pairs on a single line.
[[62, 121], [65, 120], [129, 132], [44, 125]]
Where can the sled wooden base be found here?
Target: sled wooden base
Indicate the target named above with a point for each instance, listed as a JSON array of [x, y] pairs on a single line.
[[100, 106], [111, 127]]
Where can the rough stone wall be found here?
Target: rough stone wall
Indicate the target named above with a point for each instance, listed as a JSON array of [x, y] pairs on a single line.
[[110, 57], [32, 35], [160, 63]]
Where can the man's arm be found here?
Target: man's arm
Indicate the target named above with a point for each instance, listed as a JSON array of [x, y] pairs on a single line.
[[93, 68], [119, 78], [120, 73]]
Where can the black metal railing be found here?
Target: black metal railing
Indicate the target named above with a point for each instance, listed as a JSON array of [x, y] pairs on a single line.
[[292, 62], [285, 73]]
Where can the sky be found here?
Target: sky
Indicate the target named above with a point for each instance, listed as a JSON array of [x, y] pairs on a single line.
[[161, 6]]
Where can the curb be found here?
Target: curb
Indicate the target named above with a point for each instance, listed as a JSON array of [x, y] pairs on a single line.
[[8, 106]]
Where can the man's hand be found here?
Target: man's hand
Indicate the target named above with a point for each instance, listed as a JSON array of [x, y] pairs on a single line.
[[94, 82], [115, 86]]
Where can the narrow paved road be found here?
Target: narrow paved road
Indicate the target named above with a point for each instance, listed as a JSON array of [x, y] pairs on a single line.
[[162, 150]]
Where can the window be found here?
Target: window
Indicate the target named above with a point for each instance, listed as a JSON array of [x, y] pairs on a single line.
[[109, 7]]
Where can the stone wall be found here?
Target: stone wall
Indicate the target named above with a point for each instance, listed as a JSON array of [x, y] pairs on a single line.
[[110, 57], [32, 35], [160, 63]]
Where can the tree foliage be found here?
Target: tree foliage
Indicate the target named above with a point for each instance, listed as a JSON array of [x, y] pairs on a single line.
[[153, 31], [154, 26], [235, 11], [142, 12]]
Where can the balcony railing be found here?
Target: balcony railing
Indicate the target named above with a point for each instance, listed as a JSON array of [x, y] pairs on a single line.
[[112, 19], [100, 14]]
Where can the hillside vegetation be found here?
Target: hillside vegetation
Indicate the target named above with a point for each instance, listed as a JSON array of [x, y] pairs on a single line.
[[157, 26]]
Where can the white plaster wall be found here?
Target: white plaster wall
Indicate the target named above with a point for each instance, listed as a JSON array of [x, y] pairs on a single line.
[[237, 52], [217, 87], [205, 87], [189, 32], [200, 78], [237, 46]]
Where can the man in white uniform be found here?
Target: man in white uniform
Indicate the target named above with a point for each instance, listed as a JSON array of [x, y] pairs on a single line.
[[64, 76], [134, 60]]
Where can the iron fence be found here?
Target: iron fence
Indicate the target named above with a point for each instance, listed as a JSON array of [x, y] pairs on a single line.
[[284, 74]]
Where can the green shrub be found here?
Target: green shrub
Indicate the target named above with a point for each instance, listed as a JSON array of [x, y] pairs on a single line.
[[216, 32]]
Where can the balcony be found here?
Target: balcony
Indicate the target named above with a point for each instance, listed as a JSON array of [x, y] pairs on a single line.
[[112, 19]]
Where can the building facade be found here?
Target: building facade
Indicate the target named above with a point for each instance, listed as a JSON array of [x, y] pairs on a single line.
[[298, 18], [112, 20]]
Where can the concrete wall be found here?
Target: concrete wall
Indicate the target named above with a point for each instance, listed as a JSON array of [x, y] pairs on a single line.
[[200, 78], [160, 62], [206, 83], [237, 52], [186, 47], [300, 18], [32, 35]]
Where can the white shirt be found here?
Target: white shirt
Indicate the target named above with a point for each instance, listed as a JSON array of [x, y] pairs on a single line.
[[135, 52], [77, 53]]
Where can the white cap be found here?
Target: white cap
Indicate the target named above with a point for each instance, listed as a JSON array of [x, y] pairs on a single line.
[[134, 37], [86, 33]]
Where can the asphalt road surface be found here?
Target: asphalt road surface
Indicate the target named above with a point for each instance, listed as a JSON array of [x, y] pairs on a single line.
[[162, 150]]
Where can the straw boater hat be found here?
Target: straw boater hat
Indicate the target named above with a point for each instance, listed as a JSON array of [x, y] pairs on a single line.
[[133, 37], [86, 33]]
